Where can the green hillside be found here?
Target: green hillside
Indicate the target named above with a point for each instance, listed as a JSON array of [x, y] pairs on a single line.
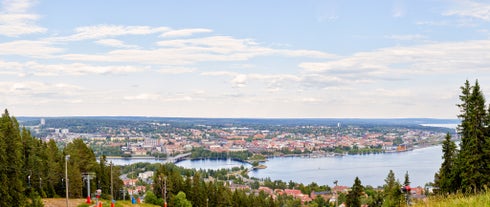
[[480, 200]]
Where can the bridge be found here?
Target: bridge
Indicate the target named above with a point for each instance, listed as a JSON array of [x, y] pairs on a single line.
[[177, 158]]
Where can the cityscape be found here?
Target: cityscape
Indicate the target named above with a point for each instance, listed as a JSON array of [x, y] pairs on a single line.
[[317, 103]]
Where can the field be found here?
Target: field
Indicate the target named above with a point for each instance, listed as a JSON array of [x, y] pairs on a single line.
[[482, 200]]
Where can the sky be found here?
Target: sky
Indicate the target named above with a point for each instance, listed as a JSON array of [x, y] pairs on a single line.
[[242, 59]]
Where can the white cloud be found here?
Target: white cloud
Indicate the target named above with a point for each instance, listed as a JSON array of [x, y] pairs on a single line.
[[39, 69], [189, 51], [143, 97], [467, 8], [104, 31], [185, 32], [176, 70], [39, 49], [114, 43], [401, 62], [36, 89], [393, 93], [240, 80], [15, 19]]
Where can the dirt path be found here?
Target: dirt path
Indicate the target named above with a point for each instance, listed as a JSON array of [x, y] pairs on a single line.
[[61, 202]]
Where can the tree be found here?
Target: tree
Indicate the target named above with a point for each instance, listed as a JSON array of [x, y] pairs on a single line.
[[391, 191], [354, 196], [446, 177], [473, 161], [181, 201], [407, 179], [12, 177], [151, 198]]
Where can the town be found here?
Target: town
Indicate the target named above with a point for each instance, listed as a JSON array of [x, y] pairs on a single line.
[[133, 138]]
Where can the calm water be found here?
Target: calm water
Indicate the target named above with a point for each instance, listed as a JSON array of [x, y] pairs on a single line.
[[421, 165], [211, 164], [198, 164]]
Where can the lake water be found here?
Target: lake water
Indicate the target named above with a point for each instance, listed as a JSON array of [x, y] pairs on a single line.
[[421, 165]]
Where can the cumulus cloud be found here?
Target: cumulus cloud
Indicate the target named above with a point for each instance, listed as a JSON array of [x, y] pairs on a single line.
[[39, 89], [194, 50], [398, 62], [39, 69], [468, 8], [104, 31], [30, 48], [143, 97], [185, 32], [115, 43], [176, 70], [15, 19], [240, 80]]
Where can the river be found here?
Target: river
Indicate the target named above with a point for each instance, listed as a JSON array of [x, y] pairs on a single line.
[[421, 165], [372, 169]]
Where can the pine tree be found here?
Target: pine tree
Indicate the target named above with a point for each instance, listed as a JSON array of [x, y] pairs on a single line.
[[391, 191], [406, 182], [473, 164], [354, 196], [447, 175], [12, 179]]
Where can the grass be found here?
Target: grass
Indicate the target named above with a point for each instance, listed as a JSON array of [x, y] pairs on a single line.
[[107, 203], [459, 200]]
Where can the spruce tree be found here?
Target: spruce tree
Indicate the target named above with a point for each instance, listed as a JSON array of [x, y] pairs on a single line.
[[354, 196], [391, 191], [447, 177], [12, 178], [407, 180], [472, 163]]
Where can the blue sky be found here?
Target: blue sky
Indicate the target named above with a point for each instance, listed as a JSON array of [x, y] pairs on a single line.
[[268, 59]]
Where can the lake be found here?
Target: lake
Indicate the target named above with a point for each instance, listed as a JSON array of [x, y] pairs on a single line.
[[372, 169], [421, 165]]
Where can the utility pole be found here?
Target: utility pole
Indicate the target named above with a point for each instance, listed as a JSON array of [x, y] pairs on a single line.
[[67, 157], [112, 191], [336, 194]]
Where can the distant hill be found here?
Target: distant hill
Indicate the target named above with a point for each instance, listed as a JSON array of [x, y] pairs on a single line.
[[250, 121]]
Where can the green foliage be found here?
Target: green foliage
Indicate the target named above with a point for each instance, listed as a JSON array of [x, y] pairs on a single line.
[[458, 199], [354, 196], [446, 177], [12, 174], [200, 153], [467, 170], [36, 200], [151, 198], [180, 200], [391, 189]]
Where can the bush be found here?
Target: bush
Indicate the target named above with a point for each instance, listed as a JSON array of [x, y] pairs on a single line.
[[151, 198]]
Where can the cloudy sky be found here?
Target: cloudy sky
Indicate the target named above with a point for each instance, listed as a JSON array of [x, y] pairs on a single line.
[[254, 58]]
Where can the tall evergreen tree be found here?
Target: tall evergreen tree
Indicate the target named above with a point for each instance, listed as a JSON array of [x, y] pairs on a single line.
[[391, 191], [406, 182], [473, 163], [447, 181], [12, 178], [354, 196]]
